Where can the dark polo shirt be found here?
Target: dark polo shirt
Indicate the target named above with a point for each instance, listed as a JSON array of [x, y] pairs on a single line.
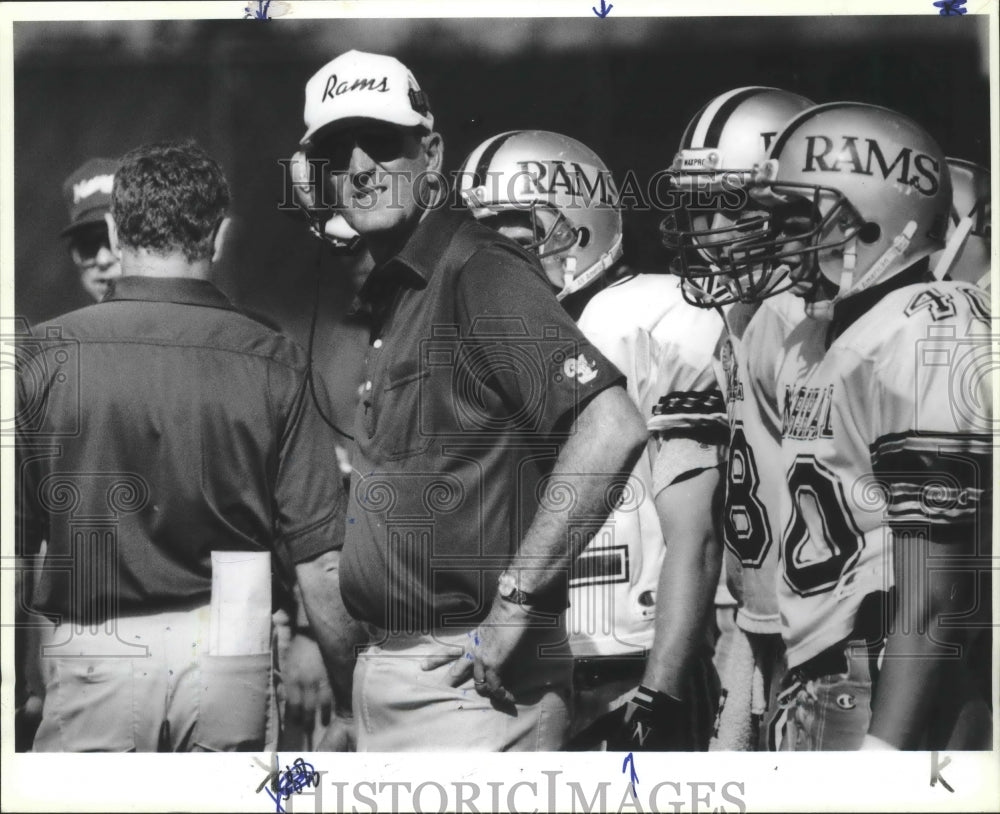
[[157, 426], [473, 376]]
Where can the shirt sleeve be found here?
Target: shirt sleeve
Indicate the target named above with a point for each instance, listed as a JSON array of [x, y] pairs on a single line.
[[933, 447], [309, 498], [686, 399], [525, 345], [679, 457]]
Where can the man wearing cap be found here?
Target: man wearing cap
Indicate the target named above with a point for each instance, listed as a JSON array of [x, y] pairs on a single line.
[[88, 197], [171, 454], [492, 439]]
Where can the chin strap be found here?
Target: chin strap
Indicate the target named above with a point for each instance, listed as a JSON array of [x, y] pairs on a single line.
[[824, 310], [573, 283], [850, 263], [569, 277], [899, 245], [954, 246]]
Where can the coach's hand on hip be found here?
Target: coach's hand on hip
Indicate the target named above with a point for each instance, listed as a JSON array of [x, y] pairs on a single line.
[[487, 650]]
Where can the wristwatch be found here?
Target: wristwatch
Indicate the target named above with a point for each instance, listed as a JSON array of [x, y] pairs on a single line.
[[509, 592]]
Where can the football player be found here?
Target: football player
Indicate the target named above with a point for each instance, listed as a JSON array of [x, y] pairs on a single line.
[[719, 151], [967, 253], [641, 593], [886, 418]]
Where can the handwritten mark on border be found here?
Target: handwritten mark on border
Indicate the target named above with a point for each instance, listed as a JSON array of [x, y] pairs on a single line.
[[265, 9], [949, 8], [258, 13], [281, 786], [606, 8], [630, 762], [936, 769]]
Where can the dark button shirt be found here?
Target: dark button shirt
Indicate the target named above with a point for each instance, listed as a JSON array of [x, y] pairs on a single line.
[[155, 427], [474, 375]]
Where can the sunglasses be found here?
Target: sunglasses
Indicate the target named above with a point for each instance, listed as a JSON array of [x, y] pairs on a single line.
[[381, 144], [89, 242]]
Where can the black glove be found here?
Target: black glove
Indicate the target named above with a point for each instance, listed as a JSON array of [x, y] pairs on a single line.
[[653, 721], [650, 721]]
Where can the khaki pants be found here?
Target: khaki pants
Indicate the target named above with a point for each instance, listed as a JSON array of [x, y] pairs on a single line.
[[149, 685], [400, 707]]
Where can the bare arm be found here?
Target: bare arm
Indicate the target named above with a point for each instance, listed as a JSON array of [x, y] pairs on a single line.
[[915, 662], [605, 443], [607, 439], [336, 632], [688, 578]]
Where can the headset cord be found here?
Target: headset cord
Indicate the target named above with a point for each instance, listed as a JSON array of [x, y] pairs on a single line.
[[309, 351]]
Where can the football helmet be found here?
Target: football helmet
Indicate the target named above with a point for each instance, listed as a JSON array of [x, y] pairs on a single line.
[[720, 149], [857, 194], [967, 252], [552, 194]]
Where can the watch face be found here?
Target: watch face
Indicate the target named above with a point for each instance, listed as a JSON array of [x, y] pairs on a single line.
[[506, 585]]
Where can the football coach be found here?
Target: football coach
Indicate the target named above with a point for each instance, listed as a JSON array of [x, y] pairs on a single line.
[[491, 436]]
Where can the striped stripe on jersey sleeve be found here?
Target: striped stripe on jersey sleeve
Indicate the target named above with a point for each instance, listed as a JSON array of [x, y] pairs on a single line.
[[939, 479], [683, 409]]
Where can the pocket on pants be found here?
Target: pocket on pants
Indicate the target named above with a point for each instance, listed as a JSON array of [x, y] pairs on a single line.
[[88, 706], [233, 704]]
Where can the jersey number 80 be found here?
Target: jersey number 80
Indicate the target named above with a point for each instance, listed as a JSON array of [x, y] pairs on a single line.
[[819, 512]]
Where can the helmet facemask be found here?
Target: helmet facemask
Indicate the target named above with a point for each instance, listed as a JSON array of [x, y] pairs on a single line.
[[716, 246], [812, 236], [820, 238], [713, 215]]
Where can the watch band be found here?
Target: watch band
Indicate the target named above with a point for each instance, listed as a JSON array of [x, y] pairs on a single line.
[[509, 592]]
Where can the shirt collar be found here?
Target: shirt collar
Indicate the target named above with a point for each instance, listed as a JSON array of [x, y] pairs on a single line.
[[415, 263], [181, 290]]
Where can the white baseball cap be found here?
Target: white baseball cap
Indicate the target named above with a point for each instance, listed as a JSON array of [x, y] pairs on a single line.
[[358, 85]]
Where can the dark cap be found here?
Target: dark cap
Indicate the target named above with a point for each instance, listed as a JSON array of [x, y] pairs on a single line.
[[88, 193]]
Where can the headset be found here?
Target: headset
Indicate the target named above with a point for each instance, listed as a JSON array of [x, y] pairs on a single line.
[[333, 231]]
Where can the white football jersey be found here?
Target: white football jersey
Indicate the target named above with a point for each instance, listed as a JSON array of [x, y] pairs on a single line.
[[664, 346], [747, 369], [892, 422]]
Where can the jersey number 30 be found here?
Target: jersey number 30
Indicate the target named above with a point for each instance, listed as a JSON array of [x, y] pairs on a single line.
[[748, 532], [819, 516]]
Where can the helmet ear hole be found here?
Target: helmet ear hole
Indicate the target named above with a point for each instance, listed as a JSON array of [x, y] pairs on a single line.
[[869, 233], [584, 237]]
